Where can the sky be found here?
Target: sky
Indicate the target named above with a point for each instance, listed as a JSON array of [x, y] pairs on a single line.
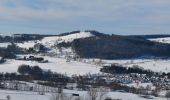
[[107, 16]]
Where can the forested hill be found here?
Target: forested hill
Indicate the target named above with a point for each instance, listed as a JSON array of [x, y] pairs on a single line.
[[87, 44], [119, 47]]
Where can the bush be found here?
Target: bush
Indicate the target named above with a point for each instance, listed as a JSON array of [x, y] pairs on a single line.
[[2, 60], [167, 95], [24, 69], [31, 70]]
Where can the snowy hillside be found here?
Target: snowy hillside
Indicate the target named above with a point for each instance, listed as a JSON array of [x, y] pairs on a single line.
[[161, 40], [53, 40], [27, 45], [49, 41]]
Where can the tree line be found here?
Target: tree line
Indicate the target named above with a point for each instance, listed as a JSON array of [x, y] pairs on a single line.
[[119, 69]]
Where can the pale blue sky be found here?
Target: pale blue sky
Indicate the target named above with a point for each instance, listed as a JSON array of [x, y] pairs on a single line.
[[108, 16]]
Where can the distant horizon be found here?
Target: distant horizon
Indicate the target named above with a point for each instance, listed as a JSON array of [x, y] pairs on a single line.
[[57, 33]]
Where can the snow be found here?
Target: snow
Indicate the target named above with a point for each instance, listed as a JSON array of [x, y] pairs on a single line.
[[5, 34], [22, 95], [156, 65], [144, 85], [162, 93], [26, 45], [50, 41], [161, 40], [53, 40], [129, 96], [55, 64], [4, 45], [113, 95], [80, 68]]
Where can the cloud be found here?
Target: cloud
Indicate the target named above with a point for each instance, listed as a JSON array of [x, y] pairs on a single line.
[[121, 16], [23, 12]]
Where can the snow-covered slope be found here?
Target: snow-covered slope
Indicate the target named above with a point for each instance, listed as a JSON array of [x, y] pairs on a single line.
[[161, 40], [27, 45], [53, 40], [50, 41]]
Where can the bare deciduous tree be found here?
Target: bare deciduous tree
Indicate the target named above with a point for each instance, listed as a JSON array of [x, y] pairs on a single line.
[[156, 91], [167, 95], [148, 88], [93, 93], [58, 96], [8, 97], [63, 96], [102, 92]]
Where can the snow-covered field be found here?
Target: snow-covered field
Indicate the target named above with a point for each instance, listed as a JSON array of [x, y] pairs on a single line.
[[55, 64], [156, 65], [80, 68], [4, 45], [21, 95], [129, 96]]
